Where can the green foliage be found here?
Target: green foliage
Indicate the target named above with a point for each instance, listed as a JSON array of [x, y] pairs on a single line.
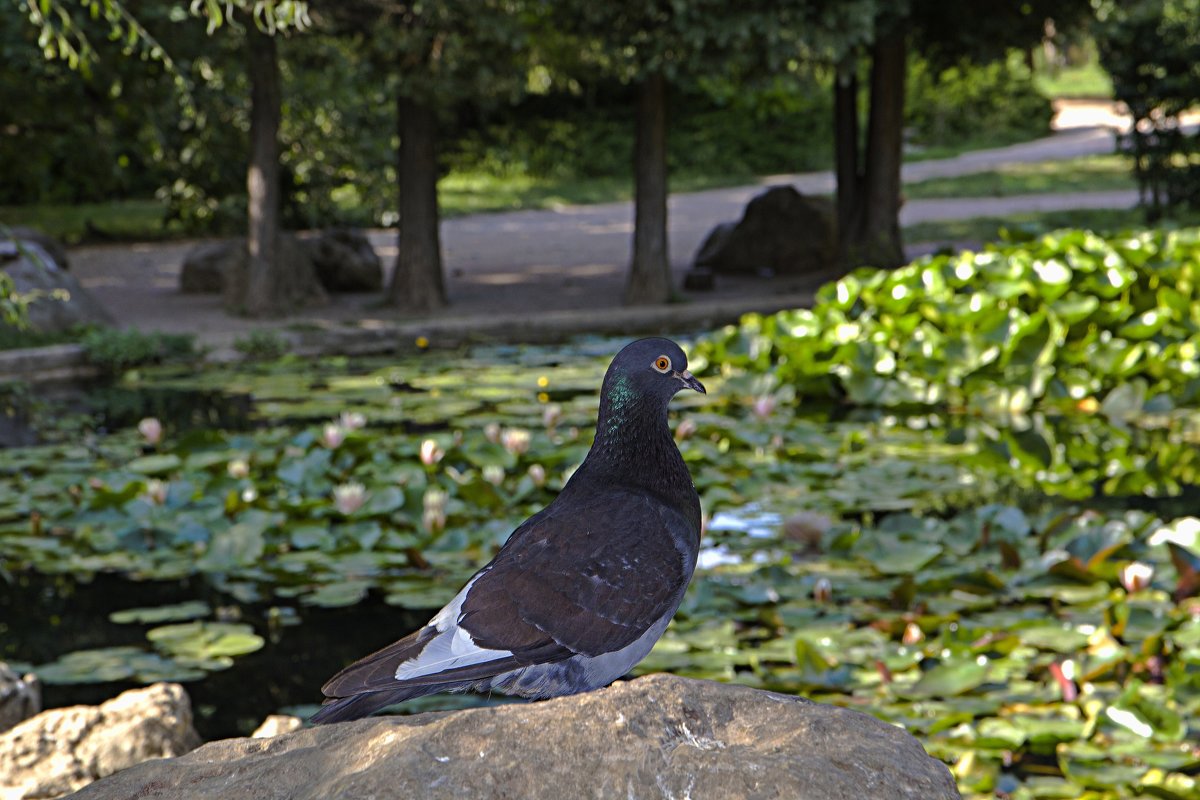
[[117, 350], [1149, 48], [986, 229], [1069, 318], [1086, 174], [943, 584], [948, 104], [261, 344]]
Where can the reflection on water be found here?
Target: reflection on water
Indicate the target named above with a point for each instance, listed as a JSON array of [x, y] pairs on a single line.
[[287, 671], [750, 520]]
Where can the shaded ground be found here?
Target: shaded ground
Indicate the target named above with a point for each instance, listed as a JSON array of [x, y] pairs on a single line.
[[574, 258]]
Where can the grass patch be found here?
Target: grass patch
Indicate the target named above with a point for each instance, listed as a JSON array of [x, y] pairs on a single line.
[[475, 192], [984, 229], [120, 220], [1085, 80], [1087, 174], [461, 193]]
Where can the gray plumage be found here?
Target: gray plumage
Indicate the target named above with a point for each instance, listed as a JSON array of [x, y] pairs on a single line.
[[581, 590]]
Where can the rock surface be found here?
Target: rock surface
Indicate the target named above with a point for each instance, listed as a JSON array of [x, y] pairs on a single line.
[[343, 260], [277, 725], [62, 303], [20, 698], [48, 243], [658, 736], [64, 749], [346, 261], [204, 266], [781, 232]]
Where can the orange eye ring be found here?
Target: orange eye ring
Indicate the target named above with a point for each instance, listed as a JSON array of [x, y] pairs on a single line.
[[662, 364]]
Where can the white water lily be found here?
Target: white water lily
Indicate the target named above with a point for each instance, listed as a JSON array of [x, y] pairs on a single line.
[[515, 440], [352, 420], [151, 430], [537, 474], [434, 515], [1136, 576], [349, 497], [332, 435], [430, 453]]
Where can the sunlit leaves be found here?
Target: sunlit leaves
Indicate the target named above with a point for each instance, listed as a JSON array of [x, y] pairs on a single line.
[[1061, 319]]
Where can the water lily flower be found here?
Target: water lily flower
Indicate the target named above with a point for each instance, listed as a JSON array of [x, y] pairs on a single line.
[[430, 452], [1136, 576], [151, 430], [515, 440], [333, 435], [551, 416], [763, 406], [822, 590], [493, 474], [685, 429], [537, 474], [491, 432], [238, 468], [352, 420], [249, 494], [156, 492], [434, 515], [349, 497], [912, 634]]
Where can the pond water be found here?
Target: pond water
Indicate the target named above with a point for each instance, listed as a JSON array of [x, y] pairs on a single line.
[[969, 578]]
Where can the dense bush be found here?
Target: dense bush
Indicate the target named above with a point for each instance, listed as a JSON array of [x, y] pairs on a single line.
[[338, 128], [1149, 47], [996, 100], [1069, 319]]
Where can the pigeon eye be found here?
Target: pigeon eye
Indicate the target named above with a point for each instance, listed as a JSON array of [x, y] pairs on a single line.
[[662, 363]]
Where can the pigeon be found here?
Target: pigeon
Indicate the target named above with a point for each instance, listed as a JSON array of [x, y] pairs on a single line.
[[580, 591]]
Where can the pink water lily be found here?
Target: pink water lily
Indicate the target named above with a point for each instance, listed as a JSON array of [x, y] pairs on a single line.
[[349, 497], [151, 430]]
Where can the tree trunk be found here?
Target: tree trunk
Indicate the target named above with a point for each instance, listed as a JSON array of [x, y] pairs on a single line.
[[650, 272], [417, 282], [846, 151], [267, 282], [880, 240]]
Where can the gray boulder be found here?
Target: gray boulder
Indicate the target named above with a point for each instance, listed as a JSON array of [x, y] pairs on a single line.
[[51, 245], [64, 749], [20, 698], [346, 261], [657, 736], [60, 302], [781, 232], [205, 265]]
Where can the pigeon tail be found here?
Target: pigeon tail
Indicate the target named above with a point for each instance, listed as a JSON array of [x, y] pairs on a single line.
[[341, 709]]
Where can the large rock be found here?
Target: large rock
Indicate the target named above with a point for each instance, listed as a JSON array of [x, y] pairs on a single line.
[[64, 749], [658, 736], [20, 698], [781, 232], [346, 261], [51, 245], [60, 303], [205, 265], [343, 260]]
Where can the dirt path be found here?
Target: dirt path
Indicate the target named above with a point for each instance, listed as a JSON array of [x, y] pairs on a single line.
[[567, 259]]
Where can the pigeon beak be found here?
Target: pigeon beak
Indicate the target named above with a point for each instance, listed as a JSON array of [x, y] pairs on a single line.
[[690, 381]]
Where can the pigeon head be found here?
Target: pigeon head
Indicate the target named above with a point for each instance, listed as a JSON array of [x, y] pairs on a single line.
[[648, 371]]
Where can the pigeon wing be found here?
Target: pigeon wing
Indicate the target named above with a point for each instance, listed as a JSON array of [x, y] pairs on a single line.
[[588, 578]]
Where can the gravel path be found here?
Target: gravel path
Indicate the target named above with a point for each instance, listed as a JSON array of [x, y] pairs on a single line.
[[569, 259]]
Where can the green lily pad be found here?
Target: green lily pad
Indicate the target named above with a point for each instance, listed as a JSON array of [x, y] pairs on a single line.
[[191, 609]]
